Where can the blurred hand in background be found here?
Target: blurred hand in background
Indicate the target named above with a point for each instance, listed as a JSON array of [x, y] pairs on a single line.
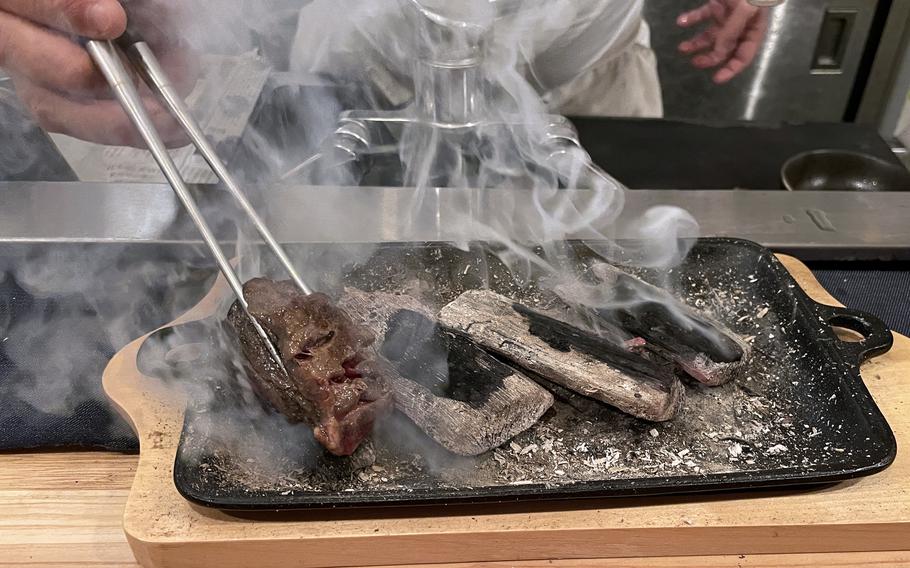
[[734, 33], [57, 79]]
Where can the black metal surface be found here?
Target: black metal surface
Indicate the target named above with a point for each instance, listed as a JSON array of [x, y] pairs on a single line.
[[815, 383], [839, 170], [666, 154], [641, 153]]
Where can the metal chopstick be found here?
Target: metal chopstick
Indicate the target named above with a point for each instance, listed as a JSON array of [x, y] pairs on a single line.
[[145, 61], [107, 57]]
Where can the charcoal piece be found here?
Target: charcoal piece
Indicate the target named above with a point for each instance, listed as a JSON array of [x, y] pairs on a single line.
[[460, 396], [702, 347], [331, 382], [566, 355]]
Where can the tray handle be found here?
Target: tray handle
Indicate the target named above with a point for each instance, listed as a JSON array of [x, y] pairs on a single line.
[[156, 354], [877, 338]]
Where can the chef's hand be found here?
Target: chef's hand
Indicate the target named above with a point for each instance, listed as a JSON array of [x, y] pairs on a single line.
[[735, 33], [57, 79]]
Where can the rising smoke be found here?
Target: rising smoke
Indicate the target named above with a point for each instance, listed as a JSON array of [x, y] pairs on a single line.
[[511, 144], [475, 121]]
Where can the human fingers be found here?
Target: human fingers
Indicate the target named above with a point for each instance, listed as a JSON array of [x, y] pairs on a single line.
[[100, 121], [695, 17], [746, 53], [730, 70], [720, 9], [182, 68], [158, 21], [95, 19], [46, 57], [728, 36], [698, 43]]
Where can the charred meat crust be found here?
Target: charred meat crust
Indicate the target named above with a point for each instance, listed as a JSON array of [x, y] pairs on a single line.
[[331, 382]]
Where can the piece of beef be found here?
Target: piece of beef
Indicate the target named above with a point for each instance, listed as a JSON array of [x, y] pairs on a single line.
[[332, 384]]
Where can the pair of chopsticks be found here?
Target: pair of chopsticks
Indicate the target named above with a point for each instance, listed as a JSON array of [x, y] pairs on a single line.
[[106, 55]]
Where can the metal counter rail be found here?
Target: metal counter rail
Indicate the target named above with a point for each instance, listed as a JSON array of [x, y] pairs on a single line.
[[815, 226]]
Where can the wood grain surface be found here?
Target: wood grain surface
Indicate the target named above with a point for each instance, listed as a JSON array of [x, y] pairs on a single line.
[[69, 509]]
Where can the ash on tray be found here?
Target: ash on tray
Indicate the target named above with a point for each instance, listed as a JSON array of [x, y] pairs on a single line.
[[755, 423], [739, 426]]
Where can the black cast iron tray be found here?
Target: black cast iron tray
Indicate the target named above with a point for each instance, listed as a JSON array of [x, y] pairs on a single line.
[[800, 415]]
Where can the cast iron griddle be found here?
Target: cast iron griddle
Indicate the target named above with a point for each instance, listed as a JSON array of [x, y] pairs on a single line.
[[800, 415]]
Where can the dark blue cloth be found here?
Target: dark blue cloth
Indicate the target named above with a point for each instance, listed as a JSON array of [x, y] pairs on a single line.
[[880, 288], [64, 311], [51, 360]]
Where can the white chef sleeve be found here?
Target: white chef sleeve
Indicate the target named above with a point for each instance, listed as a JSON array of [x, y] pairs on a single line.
[[626, 84], [575, 35]]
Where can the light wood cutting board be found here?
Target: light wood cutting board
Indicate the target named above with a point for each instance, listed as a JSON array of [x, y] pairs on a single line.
[[164, 530]]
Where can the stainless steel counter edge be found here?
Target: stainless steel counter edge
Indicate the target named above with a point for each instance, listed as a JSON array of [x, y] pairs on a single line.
[[816, 225]]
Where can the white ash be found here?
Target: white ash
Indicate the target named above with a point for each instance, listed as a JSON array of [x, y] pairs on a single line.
[[753, 424]]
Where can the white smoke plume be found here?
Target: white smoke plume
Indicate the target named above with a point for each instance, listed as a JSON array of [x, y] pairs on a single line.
[[507, 138], [513, 146]]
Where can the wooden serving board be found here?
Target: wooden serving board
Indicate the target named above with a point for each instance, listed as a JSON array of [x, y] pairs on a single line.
[[866, 515]]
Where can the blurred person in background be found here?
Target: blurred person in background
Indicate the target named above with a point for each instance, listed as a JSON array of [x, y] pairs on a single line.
[[584, 57], [592, 57]]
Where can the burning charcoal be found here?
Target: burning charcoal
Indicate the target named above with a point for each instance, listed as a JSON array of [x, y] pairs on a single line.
[[566, 355], [703, 348], [331, 384], [463, 398]]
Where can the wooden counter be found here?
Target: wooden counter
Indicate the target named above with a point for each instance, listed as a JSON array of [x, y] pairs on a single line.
[[66, 509]]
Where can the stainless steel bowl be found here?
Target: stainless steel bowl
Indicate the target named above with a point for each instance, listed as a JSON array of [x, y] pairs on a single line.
[[841, 170]]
